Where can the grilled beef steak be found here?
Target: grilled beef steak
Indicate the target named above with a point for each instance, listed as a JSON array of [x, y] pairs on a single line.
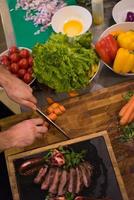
[[54, 186], [42, 172]]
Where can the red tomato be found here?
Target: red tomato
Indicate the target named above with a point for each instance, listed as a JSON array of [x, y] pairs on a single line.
[[14, 68], [23, 63], [21, 73], [14, 57], [30, 70], [30, 61], [27, 78], [4, 60], [4, 57], [13, 49], [24, 53], [107, 48]]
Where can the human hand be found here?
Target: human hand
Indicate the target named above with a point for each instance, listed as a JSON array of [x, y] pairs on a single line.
[[16, 89], [24, 133], [21, 93]]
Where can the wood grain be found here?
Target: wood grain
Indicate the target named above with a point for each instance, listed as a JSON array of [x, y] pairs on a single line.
[[89, 114]]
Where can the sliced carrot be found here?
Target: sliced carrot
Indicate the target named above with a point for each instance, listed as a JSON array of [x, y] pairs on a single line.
[[73, 94], [55, 105], [50, 110], [57, 111], [52, 116], [49, 100], [62, 108]]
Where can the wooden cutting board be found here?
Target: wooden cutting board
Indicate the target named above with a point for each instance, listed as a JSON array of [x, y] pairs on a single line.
[[90, 113]]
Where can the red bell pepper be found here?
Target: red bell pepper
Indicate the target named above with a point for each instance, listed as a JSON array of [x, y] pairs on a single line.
[[107, 48]]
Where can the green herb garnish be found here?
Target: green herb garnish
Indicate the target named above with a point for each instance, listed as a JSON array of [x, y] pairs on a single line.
[[128, 95], [65, 63], [69, 196], [72, 159], [128, 133]]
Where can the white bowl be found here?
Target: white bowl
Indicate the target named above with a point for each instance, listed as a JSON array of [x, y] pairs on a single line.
[[6, 53], [67, 13], [120, 10], [125, 26]]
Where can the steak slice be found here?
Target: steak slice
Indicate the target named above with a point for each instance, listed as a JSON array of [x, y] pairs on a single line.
[[79, 181], [42, 172], [72, 180], [84, 175], [88, 167], [48, 178], [54, 186], [63, 183]]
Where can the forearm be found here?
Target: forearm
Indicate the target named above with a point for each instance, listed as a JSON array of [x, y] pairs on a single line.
[[5, 142], [5, 75]]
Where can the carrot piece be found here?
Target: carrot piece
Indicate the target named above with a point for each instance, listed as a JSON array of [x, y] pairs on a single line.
[[55, 105], [127, 114], [123, 110], [125, 107], [73, 94], [50, 110], [57, 111], [131, 118], [52, 116], [62, 108], [49, 100]]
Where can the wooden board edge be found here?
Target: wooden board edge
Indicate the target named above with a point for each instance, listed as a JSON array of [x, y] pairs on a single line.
[[104, 134], [55, 145], [116, 168]]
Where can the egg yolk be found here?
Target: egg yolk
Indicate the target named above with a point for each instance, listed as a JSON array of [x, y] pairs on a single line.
[[72, 28]]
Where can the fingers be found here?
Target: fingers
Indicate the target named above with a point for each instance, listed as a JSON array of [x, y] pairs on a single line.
[[41, 127], [38, 121], [32, 99], [29, 104]]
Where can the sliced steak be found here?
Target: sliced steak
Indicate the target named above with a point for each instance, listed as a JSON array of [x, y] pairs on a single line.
[[63, 183], [48, 178], [72, 180], [88, 167], [79, 181], [54, 186], [84, 175], [42, 172]]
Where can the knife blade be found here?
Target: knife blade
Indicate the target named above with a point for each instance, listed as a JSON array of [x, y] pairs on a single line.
[[52, 123]]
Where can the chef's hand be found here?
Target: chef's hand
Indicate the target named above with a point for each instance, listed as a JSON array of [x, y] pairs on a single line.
[[24, 133], [16, 89]]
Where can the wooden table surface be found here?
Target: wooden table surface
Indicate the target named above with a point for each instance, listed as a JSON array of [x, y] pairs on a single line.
[[86, 114]]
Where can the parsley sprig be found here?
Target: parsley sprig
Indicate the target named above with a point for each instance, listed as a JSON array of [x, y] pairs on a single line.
[[128, 133], [128, 95], [72, 159]]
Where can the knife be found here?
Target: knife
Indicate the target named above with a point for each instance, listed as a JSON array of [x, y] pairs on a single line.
[[52, 123]]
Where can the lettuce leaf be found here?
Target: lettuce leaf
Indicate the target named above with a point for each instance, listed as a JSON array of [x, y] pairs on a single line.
[[64, 63]]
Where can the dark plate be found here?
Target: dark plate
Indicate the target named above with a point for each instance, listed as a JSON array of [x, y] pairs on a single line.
[[104, 182]]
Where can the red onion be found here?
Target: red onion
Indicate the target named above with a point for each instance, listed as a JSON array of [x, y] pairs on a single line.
[[130, 17], [40, 11]]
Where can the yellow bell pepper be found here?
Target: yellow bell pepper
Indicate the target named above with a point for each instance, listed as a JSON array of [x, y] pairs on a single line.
[[124, 61], [126, 40]]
